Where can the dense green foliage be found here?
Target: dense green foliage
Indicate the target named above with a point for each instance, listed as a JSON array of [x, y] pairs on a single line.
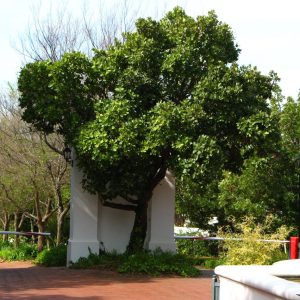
[[53, 257], [263, 187], [105, 260], [159, 263], [197, 247], [266, 183], [155, 263], [203, 253], [290, 128], [24, 251]]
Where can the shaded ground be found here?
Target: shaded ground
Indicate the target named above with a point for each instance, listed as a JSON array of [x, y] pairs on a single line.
[[22, 280]]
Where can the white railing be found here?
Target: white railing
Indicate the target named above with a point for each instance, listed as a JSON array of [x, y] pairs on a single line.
[[30, 233]]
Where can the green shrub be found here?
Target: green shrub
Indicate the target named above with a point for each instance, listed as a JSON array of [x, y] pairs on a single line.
[[203, 252], [197, 248], [53, 257], [25, 251], [278, 255], [211, 263], [149, 263], [92, 260], [157, 263], [107, 261], [5, 244], [247, 249]]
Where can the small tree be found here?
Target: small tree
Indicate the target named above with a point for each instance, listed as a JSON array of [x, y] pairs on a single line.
[[246, 246]]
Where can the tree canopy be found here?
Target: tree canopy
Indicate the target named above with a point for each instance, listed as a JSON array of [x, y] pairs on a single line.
[[168, 96]]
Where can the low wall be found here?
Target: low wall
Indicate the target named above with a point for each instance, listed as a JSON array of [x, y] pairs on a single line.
[[259, 282]]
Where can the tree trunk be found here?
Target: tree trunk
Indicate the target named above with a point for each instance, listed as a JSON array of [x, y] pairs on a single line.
[[61, 214], [6, 224], [16, 226], [59, 226], [41, 238], [139, 230], [33, 238], [18, 222]]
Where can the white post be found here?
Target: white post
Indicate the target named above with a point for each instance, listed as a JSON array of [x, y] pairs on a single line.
[[161, 216], [83, 220]]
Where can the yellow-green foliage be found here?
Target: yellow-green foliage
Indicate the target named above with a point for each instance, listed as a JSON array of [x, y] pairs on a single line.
[[249, 250]]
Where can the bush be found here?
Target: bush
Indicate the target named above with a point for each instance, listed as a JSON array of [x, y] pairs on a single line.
[[149, 263], [211, 263], [25, 251], [197, 248], [53, 257], [203, 252], [107, 261], [247, 249], [157, 263]]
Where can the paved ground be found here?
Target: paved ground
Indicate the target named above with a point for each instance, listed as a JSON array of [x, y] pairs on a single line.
[[22, 280]]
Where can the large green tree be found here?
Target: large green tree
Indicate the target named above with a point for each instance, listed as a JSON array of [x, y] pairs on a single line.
[[247, 129], [267, 182], [169, 96], [264, 187]]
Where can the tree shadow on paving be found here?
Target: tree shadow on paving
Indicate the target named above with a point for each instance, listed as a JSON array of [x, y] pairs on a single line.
[[21, 279], [206, 273]]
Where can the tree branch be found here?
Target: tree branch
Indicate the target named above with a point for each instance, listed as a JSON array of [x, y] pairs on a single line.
[[31, 216], [119, 206], [48, 215], [51, 146], [129, 199]]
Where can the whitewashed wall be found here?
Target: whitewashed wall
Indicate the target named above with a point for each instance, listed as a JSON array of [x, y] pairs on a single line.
[[162, 213], [83, 220], [114, 228], [94, 227]]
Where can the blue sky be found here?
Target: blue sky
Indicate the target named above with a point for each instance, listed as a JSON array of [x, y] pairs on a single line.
[[267, 31]]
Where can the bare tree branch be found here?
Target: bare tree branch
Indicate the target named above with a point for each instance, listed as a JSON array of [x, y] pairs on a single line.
[[60, 32], [51, 146]]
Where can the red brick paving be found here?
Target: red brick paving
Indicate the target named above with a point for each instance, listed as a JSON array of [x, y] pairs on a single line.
[[22, 280]]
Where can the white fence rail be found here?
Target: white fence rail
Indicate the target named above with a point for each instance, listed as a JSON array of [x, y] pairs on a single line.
[[30, 233]]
